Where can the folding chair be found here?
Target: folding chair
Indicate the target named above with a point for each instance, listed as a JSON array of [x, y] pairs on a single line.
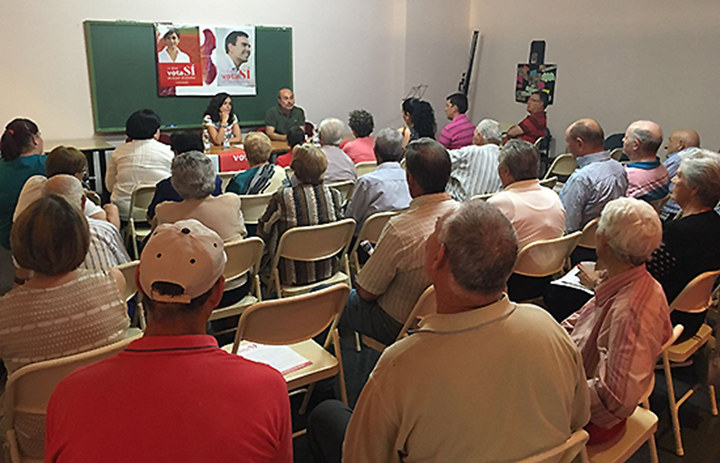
[[485, 196], [370, 231], [293, 322], [587, 238], [138, 226], [563, 453], [29, 389], [695, 298], [549, 182], [128, 270], [616, 154], [658, 204], [226, 178], [562, 166], [94, 197], [253, 207], [310, 244], [426, 305], [345, 188], [545, 257], [639, 428], [243, 258], [363, 168]]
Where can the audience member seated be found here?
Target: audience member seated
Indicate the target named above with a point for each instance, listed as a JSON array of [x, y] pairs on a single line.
[[201, 403], [598, 180], [459, 132], [419, 118], [220, 124], [21, 147], [678, 142], [262, 177], [282, 116], [534, 126], [689, 243], [439, 395], [181, 142], [339, 166], [621, 330], [140, 161], [310, 202], [295, 137], [475, 167], [385, 189], [62, 310], [361, 149], [647, 177], [393, 278], [535, 211], [193, 177]]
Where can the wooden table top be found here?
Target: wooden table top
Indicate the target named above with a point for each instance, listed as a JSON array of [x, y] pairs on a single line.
[[83, 144]]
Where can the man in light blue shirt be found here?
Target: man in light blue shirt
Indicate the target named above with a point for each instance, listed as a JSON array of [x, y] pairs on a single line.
[[680, 142], [598, 180], [385, 189]]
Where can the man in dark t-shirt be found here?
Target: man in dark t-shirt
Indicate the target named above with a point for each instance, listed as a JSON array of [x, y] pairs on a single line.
[[284, 115]]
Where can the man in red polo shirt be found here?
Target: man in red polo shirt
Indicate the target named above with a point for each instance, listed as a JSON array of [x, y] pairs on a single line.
[[173, 395], [534, 126]]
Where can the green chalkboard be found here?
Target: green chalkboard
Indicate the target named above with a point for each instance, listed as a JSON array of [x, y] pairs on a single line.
[[123, 77]]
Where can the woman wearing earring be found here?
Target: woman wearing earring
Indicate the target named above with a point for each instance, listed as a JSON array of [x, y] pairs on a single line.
[[220, 123], [171, 53]]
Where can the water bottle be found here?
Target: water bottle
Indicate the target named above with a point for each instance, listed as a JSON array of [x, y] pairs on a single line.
[[206, 140], [226, 143]]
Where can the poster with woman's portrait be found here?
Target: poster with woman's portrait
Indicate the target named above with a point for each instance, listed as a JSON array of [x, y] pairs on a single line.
[[177, 50]]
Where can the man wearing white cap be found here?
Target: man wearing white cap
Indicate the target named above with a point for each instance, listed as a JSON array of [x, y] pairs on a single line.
[[173, 395]]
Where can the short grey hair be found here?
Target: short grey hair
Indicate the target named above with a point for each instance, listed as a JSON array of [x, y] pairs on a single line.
[[388, 145], [481, 245], [632, 229], [193, 175], [331, 131], [67, 186], [490, 131], [701, 169], [521, 160], [648, 142]]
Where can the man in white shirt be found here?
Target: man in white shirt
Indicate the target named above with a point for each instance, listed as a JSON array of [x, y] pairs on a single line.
[[477, 374], [535, 211], [474, 167]]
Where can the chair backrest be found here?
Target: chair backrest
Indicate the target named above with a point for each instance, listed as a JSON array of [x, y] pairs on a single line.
[[363, 168], [253, 207], [616, 154], [563, 165], [563, 453], [549, 182], [94, 197], [128, 270], [292, 319], [140, 200], [658, 204], [242, 256], [426, 305], [697, 295], [677, 331], [315, 242], [28, 390], [373, 226], [588, 238], [484, 197], [345, 188], [226, 178], [546, 257]]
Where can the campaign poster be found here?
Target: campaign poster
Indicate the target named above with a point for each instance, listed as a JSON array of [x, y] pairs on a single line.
[[227, 55], [177, 49], [534, 77]]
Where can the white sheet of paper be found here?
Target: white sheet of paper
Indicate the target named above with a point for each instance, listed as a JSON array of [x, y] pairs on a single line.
[[282, 358], [571, 280]]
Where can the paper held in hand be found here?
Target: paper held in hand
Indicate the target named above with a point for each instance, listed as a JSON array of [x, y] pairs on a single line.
[[282, 358], [571, 280]]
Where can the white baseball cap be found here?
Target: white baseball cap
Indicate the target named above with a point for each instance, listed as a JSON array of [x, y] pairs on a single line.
[[185, 253]]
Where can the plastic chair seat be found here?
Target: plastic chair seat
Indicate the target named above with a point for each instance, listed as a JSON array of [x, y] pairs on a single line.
[[639, 427], [683, 351], [338, 278], [236, 309]]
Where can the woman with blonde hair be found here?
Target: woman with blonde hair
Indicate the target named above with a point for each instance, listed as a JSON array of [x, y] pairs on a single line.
[[262, 177]]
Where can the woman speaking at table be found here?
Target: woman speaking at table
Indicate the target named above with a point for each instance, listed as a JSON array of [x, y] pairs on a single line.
[[220, 124]]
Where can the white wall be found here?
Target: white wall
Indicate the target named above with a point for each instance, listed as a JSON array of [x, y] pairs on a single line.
[[347, 54], [618, 61]]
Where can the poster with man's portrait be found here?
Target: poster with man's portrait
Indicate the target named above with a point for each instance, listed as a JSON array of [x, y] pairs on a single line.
[[177, 50]]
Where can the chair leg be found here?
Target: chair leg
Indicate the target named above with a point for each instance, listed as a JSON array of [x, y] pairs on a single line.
[[673, 406], [713, 400], [341, 369], [306, 400], [652, 445], [358, 344]]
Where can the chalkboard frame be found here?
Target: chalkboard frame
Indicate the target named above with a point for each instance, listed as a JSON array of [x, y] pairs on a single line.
[[274, 71]]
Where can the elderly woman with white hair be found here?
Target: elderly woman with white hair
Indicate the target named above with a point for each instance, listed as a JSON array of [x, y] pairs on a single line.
[[339, 165], [475, 167], [621, 330], [193, 176], [689, 245]]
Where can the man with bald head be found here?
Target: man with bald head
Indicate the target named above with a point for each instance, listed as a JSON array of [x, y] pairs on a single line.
[[647, 178], [598, 180], [679, 142], [283, 115]]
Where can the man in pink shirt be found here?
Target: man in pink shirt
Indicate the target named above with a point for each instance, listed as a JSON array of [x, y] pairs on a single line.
[[460, 131], [362, 149]]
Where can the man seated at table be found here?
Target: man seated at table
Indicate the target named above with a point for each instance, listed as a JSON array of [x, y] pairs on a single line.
[[279, 118], [476, 375], [393, 278], [195, 402], [534, 126]]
